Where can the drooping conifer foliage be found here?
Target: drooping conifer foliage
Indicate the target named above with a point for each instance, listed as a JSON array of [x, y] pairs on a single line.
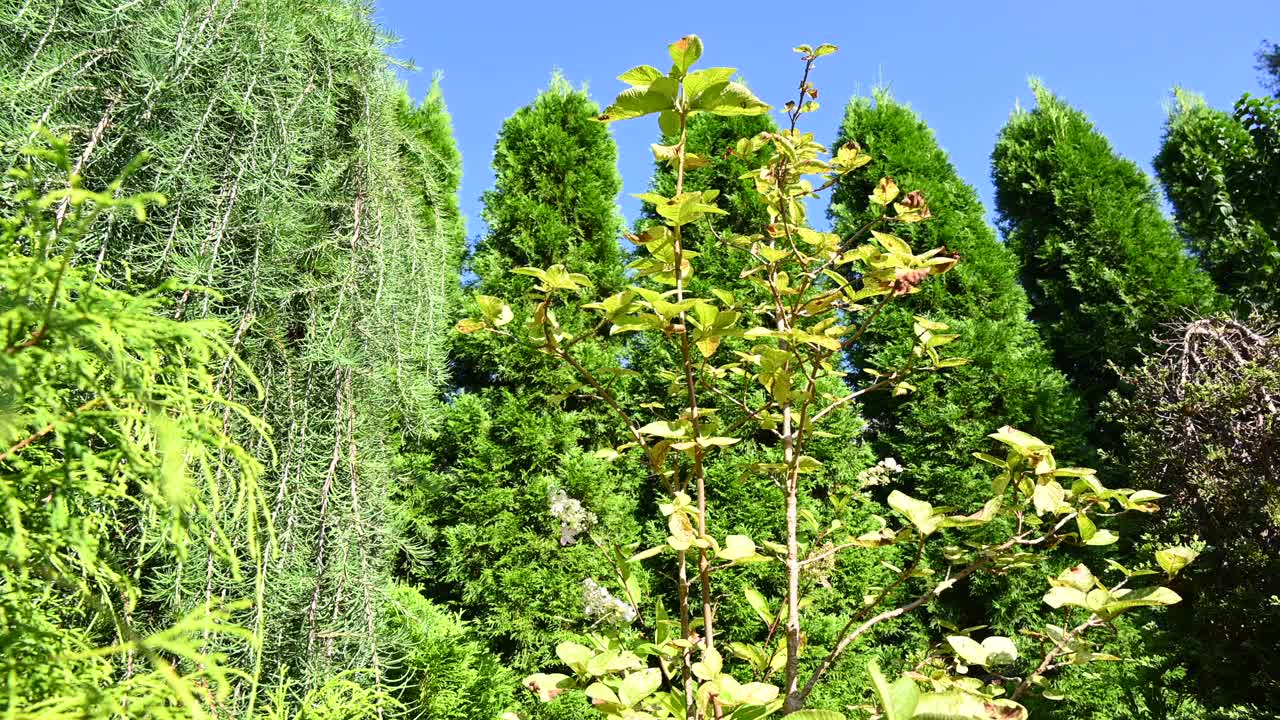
[[1220, 179], [1102, 266], [1010, 376], [310, 208], [517, 432]]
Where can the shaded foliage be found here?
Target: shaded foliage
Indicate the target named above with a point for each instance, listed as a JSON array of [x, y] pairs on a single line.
[[1202, 426]]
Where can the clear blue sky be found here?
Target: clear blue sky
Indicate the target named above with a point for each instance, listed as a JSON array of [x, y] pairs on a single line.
[[961, 65]]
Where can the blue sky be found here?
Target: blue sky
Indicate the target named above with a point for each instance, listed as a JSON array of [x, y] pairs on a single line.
[[961, 65]]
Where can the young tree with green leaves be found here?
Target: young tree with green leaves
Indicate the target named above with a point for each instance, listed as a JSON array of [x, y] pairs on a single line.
[[745, 505], [1101, 265], [1010, 378], [1220, 178], [651, 661]]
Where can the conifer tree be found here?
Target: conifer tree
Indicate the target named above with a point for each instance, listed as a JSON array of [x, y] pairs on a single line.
[[1219, 179], [311, 210], [1010, 378], [483, 488], [1102, 266]]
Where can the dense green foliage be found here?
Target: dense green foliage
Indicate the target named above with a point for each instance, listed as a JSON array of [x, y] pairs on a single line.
[[479, 505], [1102, 266], [114, 460], [718, 467], [1201, 426], [1010, 378], [1220, 178], [710, 401], [312, 210]]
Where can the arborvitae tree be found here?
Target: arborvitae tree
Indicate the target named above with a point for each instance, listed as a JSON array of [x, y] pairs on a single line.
[[1101, 264], [480, 505], [1220, 183], [302, 212], [1010, 378]]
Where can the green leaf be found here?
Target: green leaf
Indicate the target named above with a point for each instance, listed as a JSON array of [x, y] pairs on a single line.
[[728, 98], [984, 457], [957, 705], [897, 700], [1065, 596], [684, 53], [815, 715], [1000, 650], [1023, 442], [664, 429], [1079, 577], [967, 649], [547, 685], [646, 554], [919, 512], [639, 685], [602, 692], [575, 655], [759, 604], [1173, 559], [698, 81], [494, 309], [824, 49], [756, 693], [737, 547], [682, 534], [1048, 497], [641, 75], [885, 191], [638, 101], [1144, 597], [1103, 537]]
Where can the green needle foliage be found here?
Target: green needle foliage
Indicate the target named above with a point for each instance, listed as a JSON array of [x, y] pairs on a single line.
[[312, 210], [1010, 378], [1220, 180], [517, 433], [1102, 266], [113, 459]]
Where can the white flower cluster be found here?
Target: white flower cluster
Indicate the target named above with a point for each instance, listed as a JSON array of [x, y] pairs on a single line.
[[880, 473], [574, 519], [600, 604]]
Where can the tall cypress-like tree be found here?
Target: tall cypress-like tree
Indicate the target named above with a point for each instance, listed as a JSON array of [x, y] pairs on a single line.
[[480, 505], [1101, 264], [1220, 180], [303, 210], [1010, 378]]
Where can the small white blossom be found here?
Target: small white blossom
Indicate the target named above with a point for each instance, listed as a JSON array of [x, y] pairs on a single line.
[[574, 519], [600, 604], [880, 473]]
